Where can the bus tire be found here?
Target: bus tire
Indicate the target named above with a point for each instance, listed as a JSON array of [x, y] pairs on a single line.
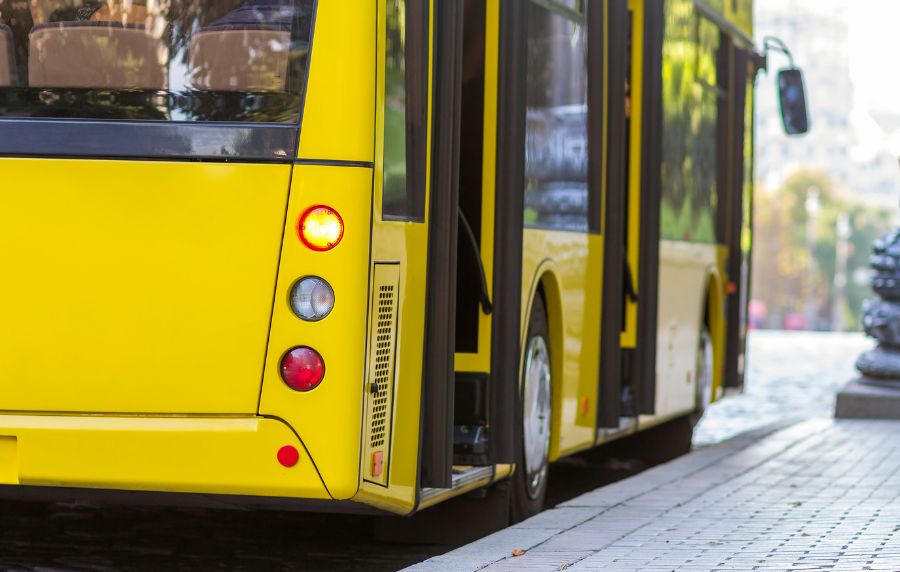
[[529, 487]]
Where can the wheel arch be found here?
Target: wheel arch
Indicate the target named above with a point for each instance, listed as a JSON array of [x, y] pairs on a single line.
[[545, 283]]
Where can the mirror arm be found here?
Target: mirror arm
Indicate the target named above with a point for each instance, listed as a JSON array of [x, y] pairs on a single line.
[[776, 45], [760, 62]]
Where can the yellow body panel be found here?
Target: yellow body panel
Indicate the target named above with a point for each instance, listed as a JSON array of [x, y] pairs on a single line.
[[718, 298], [225, 455], [136, 287], [685, 270], [629, 333], [327, 418], [339, 116]]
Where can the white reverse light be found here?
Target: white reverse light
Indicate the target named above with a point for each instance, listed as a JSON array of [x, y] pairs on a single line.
[[312, 298]]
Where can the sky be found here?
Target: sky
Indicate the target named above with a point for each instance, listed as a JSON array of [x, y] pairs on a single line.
[[874, 45]]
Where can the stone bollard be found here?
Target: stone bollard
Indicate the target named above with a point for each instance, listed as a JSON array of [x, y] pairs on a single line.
[[876, 394], [881, 316]]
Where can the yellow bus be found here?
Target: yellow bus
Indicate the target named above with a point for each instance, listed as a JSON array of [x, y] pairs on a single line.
[[355, 255]]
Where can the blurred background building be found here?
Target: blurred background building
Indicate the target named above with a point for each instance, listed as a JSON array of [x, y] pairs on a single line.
[[822, 198]]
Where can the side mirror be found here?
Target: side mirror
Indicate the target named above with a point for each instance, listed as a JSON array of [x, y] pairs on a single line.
[[792, 95]]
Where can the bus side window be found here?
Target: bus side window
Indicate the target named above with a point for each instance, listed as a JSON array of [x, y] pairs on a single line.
[[556, 136], [405, 110]]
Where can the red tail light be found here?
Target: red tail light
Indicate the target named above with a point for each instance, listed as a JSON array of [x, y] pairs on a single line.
[[302, 369]]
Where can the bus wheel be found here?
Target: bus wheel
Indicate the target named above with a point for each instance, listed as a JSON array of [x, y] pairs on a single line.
[[705, 363], [530, 480]]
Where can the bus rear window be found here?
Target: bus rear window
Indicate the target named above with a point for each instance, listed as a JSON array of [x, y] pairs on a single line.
[[170, 60]]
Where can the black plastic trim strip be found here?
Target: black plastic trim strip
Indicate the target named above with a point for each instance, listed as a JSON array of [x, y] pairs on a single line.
[[335, 163], [439, 380], [724, 149], [609, 389], [148, 140], [651, 191], [736, 300], [505, 410], [729, 27]]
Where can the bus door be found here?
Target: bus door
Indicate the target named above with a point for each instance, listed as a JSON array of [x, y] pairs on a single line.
[[639, 336], [426, 234], [474, 244], [432, 242], [737, 237], [615, 398], [471, 341]]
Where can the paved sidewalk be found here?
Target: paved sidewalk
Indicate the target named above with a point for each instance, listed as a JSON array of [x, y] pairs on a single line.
[[821, 495], [790, 376]]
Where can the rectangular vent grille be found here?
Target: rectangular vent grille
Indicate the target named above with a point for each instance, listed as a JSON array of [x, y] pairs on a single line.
[[379, 390], [381, 378]]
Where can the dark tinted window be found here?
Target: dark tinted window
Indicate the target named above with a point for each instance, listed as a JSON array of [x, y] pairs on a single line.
[[181, 60], [556, 140], [405, 109]]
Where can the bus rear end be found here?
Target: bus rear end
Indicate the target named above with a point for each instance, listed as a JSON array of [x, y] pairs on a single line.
[[186, 277]]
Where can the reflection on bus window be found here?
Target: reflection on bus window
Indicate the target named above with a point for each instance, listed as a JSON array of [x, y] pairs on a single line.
[[206, 60], [395, 107], [691, 96], [405, 110], [556, 161]]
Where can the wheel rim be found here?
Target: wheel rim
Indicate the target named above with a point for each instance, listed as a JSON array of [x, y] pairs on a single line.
[[704, 370], [536, 407]]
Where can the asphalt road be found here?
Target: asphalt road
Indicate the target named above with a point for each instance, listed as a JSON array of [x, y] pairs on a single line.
[[790, 375]]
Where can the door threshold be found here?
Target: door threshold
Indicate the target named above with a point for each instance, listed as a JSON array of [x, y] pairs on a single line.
[[464, 479]]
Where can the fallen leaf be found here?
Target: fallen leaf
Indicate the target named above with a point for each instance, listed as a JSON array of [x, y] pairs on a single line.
[[518, 552]]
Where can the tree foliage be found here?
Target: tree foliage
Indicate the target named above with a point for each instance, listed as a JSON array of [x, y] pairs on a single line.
[[787, 274]]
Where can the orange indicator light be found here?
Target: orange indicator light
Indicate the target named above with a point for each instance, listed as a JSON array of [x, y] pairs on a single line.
[[321, 228], [377, 463]]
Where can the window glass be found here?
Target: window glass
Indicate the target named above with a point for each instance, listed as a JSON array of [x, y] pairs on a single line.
[[405, 109], [556, 136], [180, 60], [691, 99]]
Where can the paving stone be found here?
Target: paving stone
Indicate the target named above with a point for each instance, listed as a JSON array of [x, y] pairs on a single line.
[[821, 495]]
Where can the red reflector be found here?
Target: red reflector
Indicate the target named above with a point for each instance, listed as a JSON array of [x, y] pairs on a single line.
[[302, 369], [288, 456], [321, 228], [377, 463]]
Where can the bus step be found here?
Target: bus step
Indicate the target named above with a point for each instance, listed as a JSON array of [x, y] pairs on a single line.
[[470, 445]]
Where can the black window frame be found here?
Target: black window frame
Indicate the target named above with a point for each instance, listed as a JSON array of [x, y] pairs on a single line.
[[158, 139]]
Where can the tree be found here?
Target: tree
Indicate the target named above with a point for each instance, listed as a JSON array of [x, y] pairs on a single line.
[[787, 274]]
